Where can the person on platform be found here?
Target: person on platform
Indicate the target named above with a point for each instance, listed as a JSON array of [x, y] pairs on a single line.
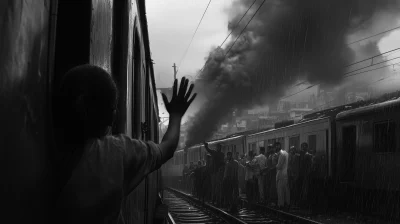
[[230, 181], [305, 162], [100, 170], [273, 157], [261, 161], [217, 172], [282, 179], [293, 173], [249, 177], [268, 162]]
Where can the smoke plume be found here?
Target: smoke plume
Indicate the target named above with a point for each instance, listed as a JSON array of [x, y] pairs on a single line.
[[287, 39]]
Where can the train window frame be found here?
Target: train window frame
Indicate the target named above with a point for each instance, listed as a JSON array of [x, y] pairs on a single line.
[[374, 147], [297, 146], [309, 143]]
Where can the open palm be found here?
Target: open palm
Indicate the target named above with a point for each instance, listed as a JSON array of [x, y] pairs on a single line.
[[181, 99]]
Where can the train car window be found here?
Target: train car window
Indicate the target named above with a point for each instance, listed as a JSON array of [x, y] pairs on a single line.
[[347, 160], [294, 141], [253, 147], [312, 142], [282, 141], [385, 136], [271, 141], [137, 84]]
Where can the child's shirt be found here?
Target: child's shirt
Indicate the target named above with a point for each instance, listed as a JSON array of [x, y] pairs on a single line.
[[109, 169]]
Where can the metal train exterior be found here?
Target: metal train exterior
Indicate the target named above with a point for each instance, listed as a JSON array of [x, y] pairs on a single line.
[[361, 147], [40, 40]]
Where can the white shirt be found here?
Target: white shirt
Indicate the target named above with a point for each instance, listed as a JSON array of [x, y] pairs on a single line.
[[110, 169], [261, 161], [281, 167]]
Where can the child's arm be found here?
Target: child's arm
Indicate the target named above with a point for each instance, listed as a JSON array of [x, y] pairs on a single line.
[[141, 158], [176, 108]]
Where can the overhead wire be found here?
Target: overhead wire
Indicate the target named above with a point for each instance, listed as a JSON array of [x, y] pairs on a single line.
[[201, 70], [198, 25], [368, 84], [293, 94], [245, 27], [366, 38], [237, 24]]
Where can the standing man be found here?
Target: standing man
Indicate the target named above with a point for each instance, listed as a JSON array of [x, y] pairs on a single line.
[[282, 178], [249, 177], [218, 163], [261, 161], [274, 161], [230, 181], [268, 179], [305, 166], [293, 172]]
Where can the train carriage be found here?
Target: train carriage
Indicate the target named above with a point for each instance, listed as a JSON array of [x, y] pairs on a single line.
[[316, 132], [231, 144], [368, 148], [41, 40]]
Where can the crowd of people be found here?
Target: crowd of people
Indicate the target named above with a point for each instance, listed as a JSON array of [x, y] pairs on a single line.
[[273, 177]]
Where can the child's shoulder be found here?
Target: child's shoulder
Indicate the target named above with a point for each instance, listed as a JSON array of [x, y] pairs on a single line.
[[115, 142]]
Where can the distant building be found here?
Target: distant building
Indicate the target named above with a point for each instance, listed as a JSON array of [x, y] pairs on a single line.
[[298, 113]]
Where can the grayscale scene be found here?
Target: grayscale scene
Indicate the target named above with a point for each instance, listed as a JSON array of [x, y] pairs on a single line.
[[200, 111]]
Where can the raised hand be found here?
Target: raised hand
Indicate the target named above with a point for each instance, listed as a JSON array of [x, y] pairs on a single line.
[[180, 101]]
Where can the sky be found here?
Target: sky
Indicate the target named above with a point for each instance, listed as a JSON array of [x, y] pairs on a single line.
[[172, 24]]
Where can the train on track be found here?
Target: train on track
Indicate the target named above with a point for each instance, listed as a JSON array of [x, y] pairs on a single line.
[[358, 142], [42, 39]]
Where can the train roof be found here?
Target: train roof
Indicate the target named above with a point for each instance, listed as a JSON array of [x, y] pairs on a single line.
[[212, 142], [374, 108], [299, 123]]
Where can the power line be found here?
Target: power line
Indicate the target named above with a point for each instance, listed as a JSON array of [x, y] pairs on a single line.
[[367, 84], [201, 70], [371, 70], [371, 65], [373, 35], [245, 27], [198, 25], [354, 63], [237, 23], [287, 96]]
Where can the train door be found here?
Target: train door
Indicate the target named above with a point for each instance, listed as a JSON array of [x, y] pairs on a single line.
[[349, 136]]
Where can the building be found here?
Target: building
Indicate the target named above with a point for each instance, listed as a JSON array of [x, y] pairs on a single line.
[[298, 113]]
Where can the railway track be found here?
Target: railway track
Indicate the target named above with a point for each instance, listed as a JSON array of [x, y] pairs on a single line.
[[185, 211], [195, 211]]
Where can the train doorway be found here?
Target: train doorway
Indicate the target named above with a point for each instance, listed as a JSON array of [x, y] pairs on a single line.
[[349, 136], [70, 45]]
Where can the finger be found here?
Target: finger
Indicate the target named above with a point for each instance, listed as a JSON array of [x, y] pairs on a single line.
[[191, 99], [165, 99], [189, 92], [175, 87], [181, 86], [185, 88]]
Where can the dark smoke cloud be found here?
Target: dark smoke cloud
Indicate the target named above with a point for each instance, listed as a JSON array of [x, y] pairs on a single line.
[[287, 39]]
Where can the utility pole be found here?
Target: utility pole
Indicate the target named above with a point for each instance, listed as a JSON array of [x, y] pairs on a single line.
[[174, 66]]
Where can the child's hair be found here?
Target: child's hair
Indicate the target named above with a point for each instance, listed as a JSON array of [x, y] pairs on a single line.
[[89, 98]]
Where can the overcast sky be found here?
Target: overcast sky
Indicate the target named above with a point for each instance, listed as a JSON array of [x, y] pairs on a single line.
[[171, 27]]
